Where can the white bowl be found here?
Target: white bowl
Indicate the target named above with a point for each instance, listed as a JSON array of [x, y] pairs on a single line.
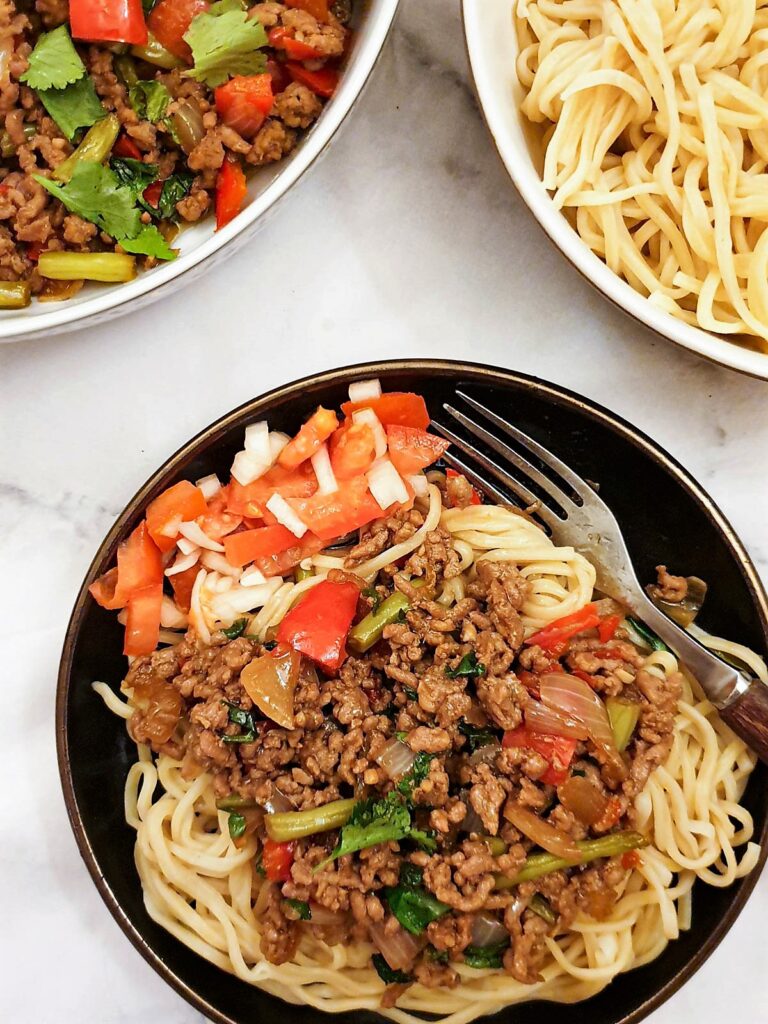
[[492, 47], [200, 246]]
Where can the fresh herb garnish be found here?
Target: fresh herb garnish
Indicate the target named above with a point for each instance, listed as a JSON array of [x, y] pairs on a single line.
[[300, 908], [468, 667], [425, 839], [225, 42], [646, 634], [410, 693], [437, 956], [414, 778], [372, 822], [236, 629], [414, 907], [54, 63], [242, 718], [149, 242], [374, 596], [150, 100], [410, 875], [174, 190], [477, 736], [486, 957], [258, 866], [236, 824], [75, 107], [134, 174], [385, 972]]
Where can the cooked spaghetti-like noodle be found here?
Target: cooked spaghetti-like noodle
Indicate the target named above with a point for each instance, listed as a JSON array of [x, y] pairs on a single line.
[[654, 120], [205, 891]]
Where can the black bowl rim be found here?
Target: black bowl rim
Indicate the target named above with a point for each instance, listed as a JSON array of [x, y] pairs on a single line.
[[478, 372]]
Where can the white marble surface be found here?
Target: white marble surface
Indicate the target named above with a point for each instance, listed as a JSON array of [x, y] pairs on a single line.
[[406, 241]]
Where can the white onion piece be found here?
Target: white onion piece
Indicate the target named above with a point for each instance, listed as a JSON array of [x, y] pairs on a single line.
[[472, 822], [386, 484], [485, 754], [323, 916], [396, 758], [365, 390], [257, 442], [215, 560], [246, 469], [277, 441], [487, 931], [222, 584], [576, 699], [209, 485], [541, 718], [194, 533], [186, 547], [285, 515], [278, 802], [183, 562], [171, 617], [420, 484], [399, 948], [252, 576], [369, 417], [228, 606], [321, 463]]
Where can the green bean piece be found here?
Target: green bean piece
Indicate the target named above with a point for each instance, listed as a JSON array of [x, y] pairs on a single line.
[[538, 864], [295, 824], [370, 629], [300, 574], [126, 69], [623, 716], [495, 844], [95, 147], [14, 294], [7, 147], [234, 802], [541, 907], [154, 53], [87, 266]]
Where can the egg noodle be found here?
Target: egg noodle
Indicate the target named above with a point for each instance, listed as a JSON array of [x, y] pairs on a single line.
[[203, 890], [656, 132]]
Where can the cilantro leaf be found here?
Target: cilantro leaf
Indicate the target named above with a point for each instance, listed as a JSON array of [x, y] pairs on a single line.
[[75, 107], [96, 194], [224, 45], [484, 957], [301, 908], [414, 778], [236, 714], [236, 824], [414, 907], [149, 99], [372, 822], [386, 973], [425, 839], [54, 63], [174, 190], [469, 666], [149, 242], [134, 174]]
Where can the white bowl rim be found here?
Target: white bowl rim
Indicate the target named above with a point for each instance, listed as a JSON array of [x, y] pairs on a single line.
[[528, 183], [112, 299]]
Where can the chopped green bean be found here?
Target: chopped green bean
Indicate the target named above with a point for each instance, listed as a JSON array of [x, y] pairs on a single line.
[[8, 147], [495, 844], [234, 802], [538, 864], [623, 716], [87, 266], [541, 907], [126, 69], [300, 574], [14, 294], [294, 824], [95, 147], [154, 53]]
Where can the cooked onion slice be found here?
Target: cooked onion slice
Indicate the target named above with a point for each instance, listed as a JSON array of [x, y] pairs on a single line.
[[583, 799], [399, 948], [270, 682], [576, 699], [542, 833], [487, 930], [541, 718], [485, 754], [396, 758]]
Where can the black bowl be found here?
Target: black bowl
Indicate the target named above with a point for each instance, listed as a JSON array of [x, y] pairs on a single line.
[[665, 516]]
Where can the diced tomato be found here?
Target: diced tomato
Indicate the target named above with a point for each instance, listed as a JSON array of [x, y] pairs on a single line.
[[244, 102], [282, 562], [169, 20], [245, 547], [554, 637], [353, 450], [319, 9], [607, 627], [557, 750], [394, 408], [179, 504], [139, 565], [251, 499], [322, 82], [477, 498], [142, 622], [113, 21], [412, 449], [125, 146], [231, 190], [281, 38], [182, 583], [318, 625], [318, 428], [103, 590], [630, 860], [331, 516], [153, 192], [217, 521], [276, 859]]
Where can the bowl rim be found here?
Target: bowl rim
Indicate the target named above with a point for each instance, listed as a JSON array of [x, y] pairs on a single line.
[[112, 300], [528, 183], [478, 372]]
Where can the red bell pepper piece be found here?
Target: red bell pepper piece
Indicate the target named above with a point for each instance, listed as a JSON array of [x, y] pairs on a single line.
[[281, 38], [319, 9], [244, 102], [181, 503], [554, 637], [231, 190], [169, 20], [276, 859], [607, 627], [113, 21], [323, 82], [318, 625], [126, 147], [142, 623], [247, 546], [33, 251], [394, 408], [412, 449], [557, 750]]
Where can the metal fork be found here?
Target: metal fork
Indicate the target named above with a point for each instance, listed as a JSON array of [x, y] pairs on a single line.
[[586, 523]]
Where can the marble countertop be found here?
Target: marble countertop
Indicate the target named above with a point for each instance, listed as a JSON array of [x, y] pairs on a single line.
[[406, 240]]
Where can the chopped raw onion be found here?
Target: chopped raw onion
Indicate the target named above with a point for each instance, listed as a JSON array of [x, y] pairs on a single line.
[[285, 515], [246, 469], [485, 754], [487, 931], [216, 561], [252, 576], [576, 699], [420, 484], [399, 948], [170, 616], [386, 484], [321, 463], [186, 547], [278, 802], [257, 442], [194, 534], [277, 441], [369, 417], [396, 758], [365, 390], [183, 562], [541, 718], [209, 485], [220, 584], [549, 837]]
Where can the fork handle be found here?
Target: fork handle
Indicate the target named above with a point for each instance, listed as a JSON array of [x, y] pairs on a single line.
[[747, 715]]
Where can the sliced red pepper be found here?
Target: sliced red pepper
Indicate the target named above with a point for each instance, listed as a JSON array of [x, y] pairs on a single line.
[[113, 21], [33, 251], [554, 637], [557, 750], [244, 102], [630, 859], [394, 408], [142, 622], [319, 9], [607, 627], [412, 449], [281, 38], [126, 147], [231, 190], [280, 77], [276, 859], [318, 625], [181, 503], [322, 82], [581, 674], [245, 547], [153, 192]]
